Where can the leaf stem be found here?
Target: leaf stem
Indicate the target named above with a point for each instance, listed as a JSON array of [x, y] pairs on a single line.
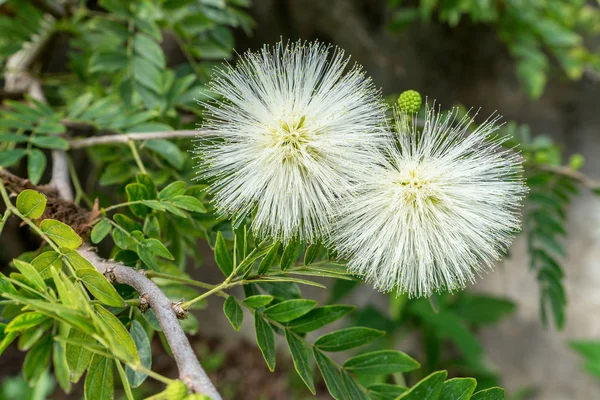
[[136, 156]]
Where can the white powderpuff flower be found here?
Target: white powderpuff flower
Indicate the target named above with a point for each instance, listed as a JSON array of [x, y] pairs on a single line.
[[293, 131], [442, 206]]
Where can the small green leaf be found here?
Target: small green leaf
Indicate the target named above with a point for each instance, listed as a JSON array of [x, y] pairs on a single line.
[[45, 261], [13, 137], [7, 340], [319, 317], [176, 188], [120, 341], [61, 234], [428, 388], [137, 192], [25, 321], [50, 142], [61, 368], [36, 165], [385, 391], [289, 254], [331, 376], [149, 49], [78, 357], [188, 203], [76, 260], [222, 256], [36, 360], [494, 393], [347, 338], [31, 274], [381, 362], [147, 181], [156, 247], [147, 74], [233, 312], [458, 389], [290, 309], [127, 223], [50, 128], [99, 382], [142, 343], [258, 300], [168, 151], [265, 340], [311, 253], [99, 287], [31, 203], [300, 359], [355, 392], [269, 259], [100, 230], [8, 158]]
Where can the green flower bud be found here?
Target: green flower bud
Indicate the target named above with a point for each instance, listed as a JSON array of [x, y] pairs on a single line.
[[176, 390], [410, 102], [576, 161]]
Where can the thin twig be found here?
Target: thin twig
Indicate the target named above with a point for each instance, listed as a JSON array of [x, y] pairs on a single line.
[[126, 137], [190, 370], [571, 173]]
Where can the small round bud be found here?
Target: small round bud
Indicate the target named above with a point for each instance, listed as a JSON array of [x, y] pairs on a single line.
[[197, 396], [409, 102], [176, 390], [576, 161]]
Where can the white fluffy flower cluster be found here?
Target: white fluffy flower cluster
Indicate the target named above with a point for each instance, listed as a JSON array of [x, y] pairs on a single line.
[[304, 149]]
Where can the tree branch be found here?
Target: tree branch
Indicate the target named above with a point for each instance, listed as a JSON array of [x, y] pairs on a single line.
[[126, 137], [571, 173], [190, 370]]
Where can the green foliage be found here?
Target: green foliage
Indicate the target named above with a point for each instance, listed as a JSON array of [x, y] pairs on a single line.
[[533, 32], [71, 319]]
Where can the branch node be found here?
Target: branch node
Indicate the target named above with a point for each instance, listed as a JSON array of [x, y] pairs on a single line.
[[188, 382], [109, 273], [144, 304], [179, 311]]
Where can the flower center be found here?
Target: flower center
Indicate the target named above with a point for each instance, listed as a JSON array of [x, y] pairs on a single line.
[[414, 186], [291, 136]]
